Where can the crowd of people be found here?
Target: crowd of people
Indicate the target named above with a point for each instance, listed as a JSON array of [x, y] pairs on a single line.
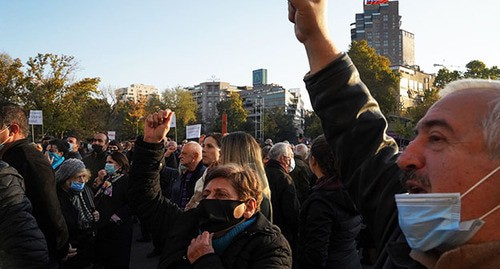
[[351, 199]]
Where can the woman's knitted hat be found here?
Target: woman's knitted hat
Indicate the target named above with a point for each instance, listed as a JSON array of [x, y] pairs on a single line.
[[68, 169]]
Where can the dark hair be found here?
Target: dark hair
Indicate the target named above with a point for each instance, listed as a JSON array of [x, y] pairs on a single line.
[[243, 179], [324, 156], [115, 143], [217, 137], [11, 113], [60, 145], [121, 159]]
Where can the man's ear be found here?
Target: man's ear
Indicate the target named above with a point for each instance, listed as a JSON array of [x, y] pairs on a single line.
[[14, 129]]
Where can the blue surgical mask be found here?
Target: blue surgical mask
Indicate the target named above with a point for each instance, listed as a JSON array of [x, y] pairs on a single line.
[[56, 159], [110, 168], [77, 186], [432, 220]]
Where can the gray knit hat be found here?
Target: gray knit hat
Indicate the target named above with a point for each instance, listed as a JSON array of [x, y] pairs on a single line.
[[69, 168]]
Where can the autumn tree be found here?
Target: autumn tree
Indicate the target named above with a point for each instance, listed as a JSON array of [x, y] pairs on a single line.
[[51, 86], [181, 102], [375, 73], [236, 114], [11, 79]]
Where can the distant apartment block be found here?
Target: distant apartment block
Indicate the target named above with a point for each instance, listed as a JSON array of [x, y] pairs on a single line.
[[379, 25], [136, 92], [412, 84], [207, 95]]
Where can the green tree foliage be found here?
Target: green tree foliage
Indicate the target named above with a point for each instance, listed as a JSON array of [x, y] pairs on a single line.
[[446, 76], [279, 126], [375, 72], [236, 114], [11, 79], [95, 117], [50, 86], [312, 125], [474, 69], [181, 102]]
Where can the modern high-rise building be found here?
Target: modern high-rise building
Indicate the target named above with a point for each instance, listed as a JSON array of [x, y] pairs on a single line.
[[380, 26], [136, 92]]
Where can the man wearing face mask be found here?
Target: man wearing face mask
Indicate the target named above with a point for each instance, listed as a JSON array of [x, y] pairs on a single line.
[[56, 152], [226, 230], [96, 160], [284, 198], [450, 218], [39, 180], [73, 147]]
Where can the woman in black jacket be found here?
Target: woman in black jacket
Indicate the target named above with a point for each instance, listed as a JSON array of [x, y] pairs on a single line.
[[77, 205], [22, 244], [329, 222], [114, 229], [226, 230]]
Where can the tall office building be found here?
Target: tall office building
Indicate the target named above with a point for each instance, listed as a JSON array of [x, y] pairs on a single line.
[[379, 25]]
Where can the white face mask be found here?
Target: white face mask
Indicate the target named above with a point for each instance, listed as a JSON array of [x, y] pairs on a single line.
[[432, 220], [3, 143]]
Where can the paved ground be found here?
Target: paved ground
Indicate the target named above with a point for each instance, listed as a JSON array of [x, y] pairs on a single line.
[[139, 251]]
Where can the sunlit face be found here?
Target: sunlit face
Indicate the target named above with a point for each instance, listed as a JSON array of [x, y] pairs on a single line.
[[220, 188], [187, 155], [74, 142], [211, 151], [449, 153], [112, 161], [99, 139]]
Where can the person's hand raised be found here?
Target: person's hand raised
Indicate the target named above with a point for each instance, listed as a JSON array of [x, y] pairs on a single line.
[[157, 126]]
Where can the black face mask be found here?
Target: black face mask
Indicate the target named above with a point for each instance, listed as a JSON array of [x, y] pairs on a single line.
[[218, 215], [97, 148]]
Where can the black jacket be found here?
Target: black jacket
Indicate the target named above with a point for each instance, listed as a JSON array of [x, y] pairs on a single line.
[[260, 246], [22, 244], [329, 226], [366, 156], [94, 162], [284, 200], [176, 185], [40, 185]]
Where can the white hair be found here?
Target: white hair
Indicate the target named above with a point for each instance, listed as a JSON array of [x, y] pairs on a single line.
[[280, 149], [301, 150], [491, 121]]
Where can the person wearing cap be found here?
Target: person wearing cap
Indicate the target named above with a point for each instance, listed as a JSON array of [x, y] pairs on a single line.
[[77, 206]]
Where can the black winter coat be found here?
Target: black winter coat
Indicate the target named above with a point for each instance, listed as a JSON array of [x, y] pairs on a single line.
[[22, 244], [40, 185], [366, 156], [284, 200], [260, 246], [329, 226]]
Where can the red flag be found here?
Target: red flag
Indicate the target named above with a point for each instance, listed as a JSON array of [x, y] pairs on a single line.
[[224, 123], [376, 2]]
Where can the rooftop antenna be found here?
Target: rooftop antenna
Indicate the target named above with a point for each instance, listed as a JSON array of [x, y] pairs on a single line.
[[213, 78]]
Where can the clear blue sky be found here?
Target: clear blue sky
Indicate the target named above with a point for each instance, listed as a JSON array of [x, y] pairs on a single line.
[[169, 43]]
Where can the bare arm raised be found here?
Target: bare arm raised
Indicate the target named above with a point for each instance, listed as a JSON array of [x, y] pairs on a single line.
[[309, 17]]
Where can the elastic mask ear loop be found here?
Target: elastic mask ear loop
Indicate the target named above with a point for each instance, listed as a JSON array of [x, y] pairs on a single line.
[[480, 181]]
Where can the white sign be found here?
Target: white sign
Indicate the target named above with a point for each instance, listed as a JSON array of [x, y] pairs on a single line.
[[193, 131], [111, 135], [172, 122], [36, 117]]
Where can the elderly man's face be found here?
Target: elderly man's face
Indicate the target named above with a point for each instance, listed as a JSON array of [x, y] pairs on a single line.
[[187, 155], [449, 153]]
